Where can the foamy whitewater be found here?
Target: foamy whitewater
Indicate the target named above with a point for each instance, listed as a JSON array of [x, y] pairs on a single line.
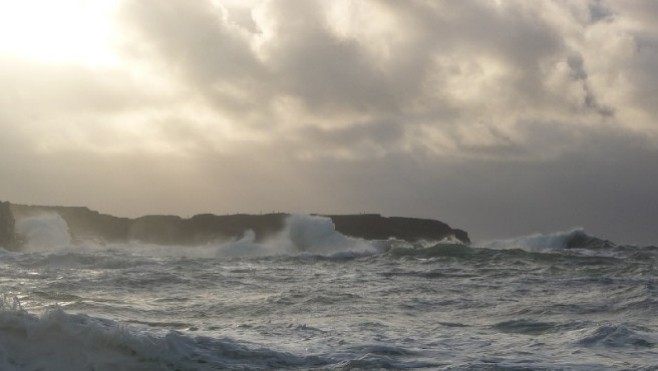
[[311, 298]]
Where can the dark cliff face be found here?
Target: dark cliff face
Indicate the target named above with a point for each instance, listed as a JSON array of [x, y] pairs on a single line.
[[580, 240], [377, 227], [203, 228], [7, 225], [85, 224]]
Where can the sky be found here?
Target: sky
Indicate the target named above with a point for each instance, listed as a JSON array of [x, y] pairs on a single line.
[[500, 117]]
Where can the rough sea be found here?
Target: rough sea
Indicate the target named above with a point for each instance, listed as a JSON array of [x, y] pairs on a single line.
[[313, 299]]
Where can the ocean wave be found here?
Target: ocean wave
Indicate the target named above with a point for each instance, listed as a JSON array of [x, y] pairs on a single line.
[[535, 327], [616, 336], [446, 250], [382, 357], [57, 340], [572, 239], [601, 260], [45, 231], [301, 235]]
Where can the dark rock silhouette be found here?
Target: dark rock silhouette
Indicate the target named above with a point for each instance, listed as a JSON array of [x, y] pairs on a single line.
[[377, 227], [7, 235], [583, 241], [85, 224], [202, 228]]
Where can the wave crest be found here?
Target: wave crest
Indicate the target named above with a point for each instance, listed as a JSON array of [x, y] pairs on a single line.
[[302, 234], [44, 231], [57, 340], [572, 239], [619, 336]]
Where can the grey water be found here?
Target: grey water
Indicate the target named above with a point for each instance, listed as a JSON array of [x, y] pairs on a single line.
[[341, 304]]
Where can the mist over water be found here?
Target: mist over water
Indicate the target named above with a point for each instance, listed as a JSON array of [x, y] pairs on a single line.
[[312, 298]]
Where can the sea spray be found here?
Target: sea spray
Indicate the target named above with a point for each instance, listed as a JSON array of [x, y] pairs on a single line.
[[574, 238], [44, 231], [302, 234]]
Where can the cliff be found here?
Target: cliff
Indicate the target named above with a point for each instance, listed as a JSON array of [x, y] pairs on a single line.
[[377, 227], [7, 236], [85, 224]]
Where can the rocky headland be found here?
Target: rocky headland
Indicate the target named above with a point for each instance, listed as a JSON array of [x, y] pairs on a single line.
[[89, 225], [7, 226]]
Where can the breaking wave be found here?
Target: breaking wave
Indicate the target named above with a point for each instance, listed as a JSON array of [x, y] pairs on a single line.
[[57, 340], [573, 239], [46, 231], [302, 234], [309, 235]]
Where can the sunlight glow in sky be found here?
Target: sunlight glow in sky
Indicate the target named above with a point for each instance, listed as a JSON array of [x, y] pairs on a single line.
[[63, 31]]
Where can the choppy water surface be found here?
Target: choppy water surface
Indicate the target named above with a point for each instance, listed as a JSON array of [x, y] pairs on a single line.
[[338, 304]]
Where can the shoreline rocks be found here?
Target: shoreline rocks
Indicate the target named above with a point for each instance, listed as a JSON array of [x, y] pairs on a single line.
[[89, 225], [7, 226]]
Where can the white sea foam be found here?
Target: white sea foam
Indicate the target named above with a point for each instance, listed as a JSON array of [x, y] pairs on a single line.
[[44, 231], [57, 340], [302, 234], [540, 241]]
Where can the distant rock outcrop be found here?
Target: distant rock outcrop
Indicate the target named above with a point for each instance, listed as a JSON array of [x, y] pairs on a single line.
[[85, 224], [7, 226], [581, 240], [377, 227], [202, 228]]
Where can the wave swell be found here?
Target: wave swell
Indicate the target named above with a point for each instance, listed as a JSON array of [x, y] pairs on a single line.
[[57, 340], [573, 239], [617, 336]]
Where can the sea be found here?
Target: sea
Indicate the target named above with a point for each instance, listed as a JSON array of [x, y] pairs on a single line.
[[310, 298]]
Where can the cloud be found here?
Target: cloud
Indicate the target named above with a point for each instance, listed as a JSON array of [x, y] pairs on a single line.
[[387, 106], [465, 79], [476, 77]]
